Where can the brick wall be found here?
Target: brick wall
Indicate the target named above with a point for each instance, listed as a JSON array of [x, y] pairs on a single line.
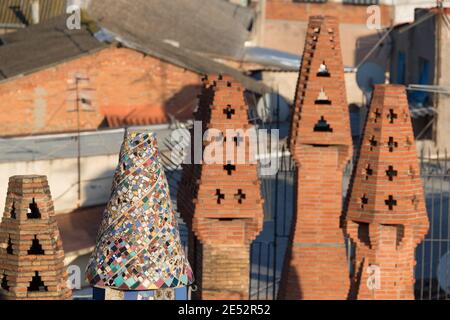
[[353, 14], [286, 22], [120, 81]]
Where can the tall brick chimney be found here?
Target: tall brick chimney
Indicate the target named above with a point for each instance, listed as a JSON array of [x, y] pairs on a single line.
[[138, 245], [386, 217], [31, 252], [222, 202], [316, 264]]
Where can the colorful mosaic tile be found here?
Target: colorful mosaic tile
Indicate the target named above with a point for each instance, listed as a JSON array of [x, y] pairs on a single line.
[[138, 244]]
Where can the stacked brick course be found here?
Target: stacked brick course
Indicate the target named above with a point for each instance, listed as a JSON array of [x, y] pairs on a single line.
[[222, 202], [31, 253], [315, 265], [386, 216]]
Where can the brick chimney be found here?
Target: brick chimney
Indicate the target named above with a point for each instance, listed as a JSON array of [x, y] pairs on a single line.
[[31, 252], [386, 217], [138, 247], [222, 202], [320, 142]]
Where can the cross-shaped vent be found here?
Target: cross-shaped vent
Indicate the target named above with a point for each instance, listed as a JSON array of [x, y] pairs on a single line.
[[322, 126], [392, 144], [373, 143], [376, 115], [240, 196], [219, 196], [36, 248], [363, 201], [229, 112], [33, 211], [36, 284], [391, 173], [229, 168], [368, 171], [392, 116], [390, 202], [237, 140]]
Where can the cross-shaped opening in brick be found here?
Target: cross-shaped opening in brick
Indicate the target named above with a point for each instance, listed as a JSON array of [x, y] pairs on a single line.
[[229, 112], [240, 196], [220, 196], [5, 282], [36, 284], [373, 143], [9, 248], [13, 211], [322, 126], [36, 248], [363, 201], [33, 211], [392, 116], [368, 171], [376, 115], [237, 140], [323, 70], [391, 173], [229, 168], [392, 144], [390, 202]]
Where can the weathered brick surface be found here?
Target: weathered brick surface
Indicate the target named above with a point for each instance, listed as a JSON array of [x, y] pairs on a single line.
[[123, 85], [315, 265], [30, 243], [346, 13], [386, 217], [224, 223]]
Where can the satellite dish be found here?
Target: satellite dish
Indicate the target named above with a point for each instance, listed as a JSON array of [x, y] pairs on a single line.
[[443, 272], [368, 75], [272, 106]]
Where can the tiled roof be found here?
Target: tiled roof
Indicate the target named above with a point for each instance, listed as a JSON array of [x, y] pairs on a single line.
[[18, 12], [214, 27], [42, 45]]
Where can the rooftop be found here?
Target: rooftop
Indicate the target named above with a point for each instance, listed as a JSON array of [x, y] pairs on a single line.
[[17, 13]]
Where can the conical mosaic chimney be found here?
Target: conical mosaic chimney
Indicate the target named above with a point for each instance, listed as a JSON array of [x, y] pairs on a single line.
[[31, 253], [386, 217], [138, 244]]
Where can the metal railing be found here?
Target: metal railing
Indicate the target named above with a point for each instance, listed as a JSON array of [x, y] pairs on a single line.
[[432, 272]]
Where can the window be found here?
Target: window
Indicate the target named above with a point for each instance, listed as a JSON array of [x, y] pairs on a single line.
[[401, 68]]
